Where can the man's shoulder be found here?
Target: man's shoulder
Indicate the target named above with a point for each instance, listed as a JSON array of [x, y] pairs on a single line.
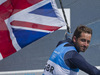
[[69, 42]]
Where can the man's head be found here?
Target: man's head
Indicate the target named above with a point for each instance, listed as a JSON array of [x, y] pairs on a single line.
[[82, 37]]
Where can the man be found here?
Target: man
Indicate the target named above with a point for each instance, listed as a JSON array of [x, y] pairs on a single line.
[[66, 60]]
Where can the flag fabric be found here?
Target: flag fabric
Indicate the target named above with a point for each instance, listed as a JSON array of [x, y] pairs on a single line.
[[25, 21]]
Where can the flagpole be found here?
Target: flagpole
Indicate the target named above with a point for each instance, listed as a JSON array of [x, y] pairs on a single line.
[[68, 28]]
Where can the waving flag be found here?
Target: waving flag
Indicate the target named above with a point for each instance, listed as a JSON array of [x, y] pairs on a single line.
[[25, 21]]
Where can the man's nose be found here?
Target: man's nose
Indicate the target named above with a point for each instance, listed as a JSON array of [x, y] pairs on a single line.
[[86, 44]]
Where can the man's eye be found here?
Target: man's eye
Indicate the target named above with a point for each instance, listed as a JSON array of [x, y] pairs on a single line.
[[88, 41], [83, 40]]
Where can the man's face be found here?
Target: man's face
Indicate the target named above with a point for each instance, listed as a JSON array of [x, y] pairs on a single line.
[[82, 42]]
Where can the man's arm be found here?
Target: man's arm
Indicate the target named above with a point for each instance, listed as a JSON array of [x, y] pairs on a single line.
[[75, 60]]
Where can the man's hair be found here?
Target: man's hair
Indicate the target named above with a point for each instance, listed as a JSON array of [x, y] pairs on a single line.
[[81, 29]]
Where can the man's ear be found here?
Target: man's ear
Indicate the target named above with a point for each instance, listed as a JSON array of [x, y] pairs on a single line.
[[74, 38]]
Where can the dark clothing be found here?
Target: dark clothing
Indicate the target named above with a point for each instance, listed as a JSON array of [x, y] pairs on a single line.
[[74, 59]]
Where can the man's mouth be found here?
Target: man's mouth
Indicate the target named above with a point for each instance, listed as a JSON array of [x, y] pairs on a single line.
[[84, 48]]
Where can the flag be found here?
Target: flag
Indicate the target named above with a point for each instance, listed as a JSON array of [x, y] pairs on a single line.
[[25, 21]]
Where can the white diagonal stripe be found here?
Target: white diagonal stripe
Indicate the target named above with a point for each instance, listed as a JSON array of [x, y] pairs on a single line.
[[14, 41], [1, 56], [2, 1], [32, 29], [24, 15]]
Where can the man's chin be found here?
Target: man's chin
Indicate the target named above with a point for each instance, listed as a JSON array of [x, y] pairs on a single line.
[[83, 50]]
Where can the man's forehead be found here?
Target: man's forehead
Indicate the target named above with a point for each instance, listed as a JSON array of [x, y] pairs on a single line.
[[87, 35]]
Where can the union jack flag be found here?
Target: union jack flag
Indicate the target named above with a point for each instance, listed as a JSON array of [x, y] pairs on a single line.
[[25, 21]]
